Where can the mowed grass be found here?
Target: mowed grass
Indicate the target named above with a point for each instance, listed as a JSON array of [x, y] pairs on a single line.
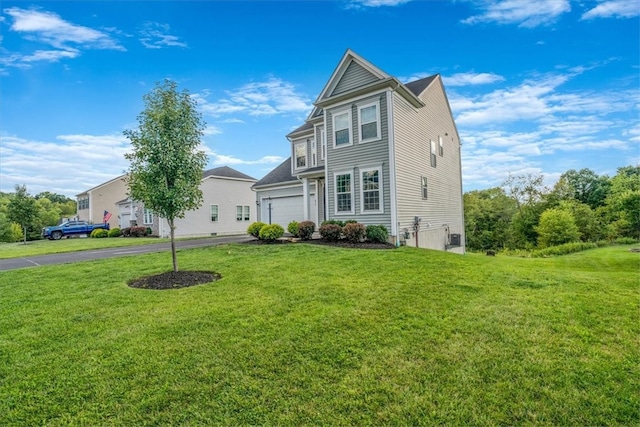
[[311, 335], [46, 247]]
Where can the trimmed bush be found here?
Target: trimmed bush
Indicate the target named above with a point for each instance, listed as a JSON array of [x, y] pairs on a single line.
[[254, 229], [377, 234], [138, 231], [354, 232], [271, 232], [306, 229], [126, 232], [625, 241], [114, 232], [333, 222], [330, 232], [292, 228], [99, 233]]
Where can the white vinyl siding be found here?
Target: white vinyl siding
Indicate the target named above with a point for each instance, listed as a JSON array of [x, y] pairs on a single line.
[[342, 128], [371, 200], [369, 120], [215, 213], [300, 150], [344, 193]]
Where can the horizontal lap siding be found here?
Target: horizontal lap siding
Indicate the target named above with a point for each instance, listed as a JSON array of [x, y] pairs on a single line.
[[414, 129], [354, 77], [354, 157], [227, 194]]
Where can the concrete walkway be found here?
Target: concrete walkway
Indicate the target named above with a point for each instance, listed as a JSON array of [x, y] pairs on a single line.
[[70, 257]]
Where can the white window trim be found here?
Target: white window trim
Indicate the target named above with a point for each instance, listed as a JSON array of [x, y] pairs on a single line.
[[378, 126], [295, 156], [335, 192], [349, 127], [440, 146], [424, 187], [211, 212], [314, 153], [380, 182], [433, 154], [145, 214], [323, 147]]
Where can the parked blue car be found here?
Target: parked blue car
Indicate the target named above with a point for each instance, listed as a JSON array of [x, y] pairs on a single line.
[[71, 228]]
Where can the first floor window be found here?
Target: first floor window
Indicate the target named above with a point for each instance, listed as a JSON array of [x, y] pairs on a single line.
[[214, 213], [344, 193], [424, 187], [148, 216], [243, 213], [371, 185]]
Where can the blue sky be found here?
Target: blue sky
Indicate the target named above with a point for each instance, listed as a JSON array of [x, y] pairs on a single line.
[[535, 86]]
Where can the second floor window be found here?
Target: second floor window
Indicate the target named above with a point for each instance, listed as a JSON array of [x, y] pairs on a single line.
[[369, 118], [301, 155], [342, 128], [433, 154], [83, 203], [440, 146]]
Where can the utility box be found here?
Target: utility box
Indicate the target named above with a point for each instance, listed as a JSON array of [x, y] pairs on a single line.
[[455, 240]]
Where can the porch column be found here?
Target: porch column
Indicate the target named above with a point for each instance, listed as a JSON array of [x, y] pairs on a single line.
[[305, 197]]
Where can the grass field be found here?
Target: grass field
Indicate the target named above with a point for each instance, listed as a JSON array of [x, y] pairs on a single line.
[[313, 335], [46, 247]]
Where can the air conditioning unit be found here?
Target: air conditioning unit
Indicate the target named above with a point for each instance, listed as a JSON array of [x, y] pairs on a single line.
[[454, 240]]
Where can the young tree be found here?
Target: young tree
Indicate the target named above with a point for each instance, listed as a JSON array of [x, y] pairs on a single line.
[[22, 209], [556, 227], [166, 164]]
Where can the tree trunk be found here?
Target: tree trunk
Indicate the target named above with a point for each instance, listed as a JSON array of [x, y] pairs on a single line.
[[172, 227]]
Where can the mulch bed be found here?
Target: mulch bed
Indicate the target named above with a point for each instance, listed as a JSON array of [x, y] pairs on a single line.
[[175, 280]]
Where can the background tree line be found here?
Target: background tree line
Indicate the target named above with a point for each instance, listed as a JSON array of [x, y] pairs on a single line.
[[19, 211], [581, 206]]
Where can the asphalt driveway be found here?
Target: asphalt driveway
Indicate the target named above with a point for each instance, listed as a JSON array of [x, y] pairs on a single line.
[[70, 257]]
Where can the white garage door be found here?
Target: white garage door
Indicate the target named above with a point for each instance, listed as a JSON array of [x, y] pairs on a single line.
[[283, 210]]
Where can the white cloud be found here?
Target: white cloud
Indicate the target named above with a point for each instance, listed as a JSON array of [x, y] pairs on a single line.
[[221, 159], [154, 35], [468, 79], [525, 13], [271, 97], [66, 38], [614, 9]]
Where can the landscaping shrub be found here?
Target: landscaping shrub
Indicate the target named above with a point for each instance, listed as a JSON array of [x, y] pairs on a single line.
[[567, 248], [126, 232], [138, 231], [271, 232], [330, 232], [99, 233], [306, 229], [377, 233], [333, 221], [354, 232], [254, 229], [114, 232], [292, 228], [625, 241]]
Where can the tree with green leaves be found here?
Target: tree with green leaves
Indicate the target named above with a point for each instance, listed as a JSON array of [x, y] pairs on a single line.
[[22, 209], [556, 227], [166, 162]]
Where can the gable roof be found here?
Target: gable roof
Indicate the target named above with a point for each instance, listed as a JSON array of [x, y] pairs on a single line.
[[122, 177], [279, 175], [301, 129], [226, 172], [418, 86]]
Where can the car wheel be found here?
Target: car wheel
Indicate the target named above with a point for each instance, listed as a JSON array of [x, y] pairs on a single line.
[[56, 235]]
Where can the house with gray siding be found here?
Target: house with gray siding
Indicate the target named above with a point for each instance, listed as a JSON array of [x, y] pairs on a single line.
[[374, 150]]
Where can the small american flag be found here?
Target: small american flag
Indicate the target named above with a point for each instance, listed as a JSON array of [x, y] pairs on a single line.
[[106, 216]]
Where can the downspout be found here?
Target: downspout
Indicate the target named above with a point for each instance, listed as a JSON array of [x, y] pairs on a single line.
[[392, 166]]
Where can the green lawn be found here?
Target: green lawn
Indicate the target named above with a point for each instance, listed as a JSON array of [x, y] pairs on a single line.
[[46, 247], [303, 334]]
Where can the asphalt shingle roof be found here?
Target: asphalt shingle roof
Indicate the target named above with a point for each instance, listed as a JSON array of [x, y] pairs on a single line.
[[226, 172], [418, 86], [282, 173]]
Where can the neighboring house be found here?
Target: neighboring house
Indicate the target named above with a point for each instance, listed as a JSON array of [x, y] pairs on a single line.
[[228, 206], [94, 202], [377, 151]]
